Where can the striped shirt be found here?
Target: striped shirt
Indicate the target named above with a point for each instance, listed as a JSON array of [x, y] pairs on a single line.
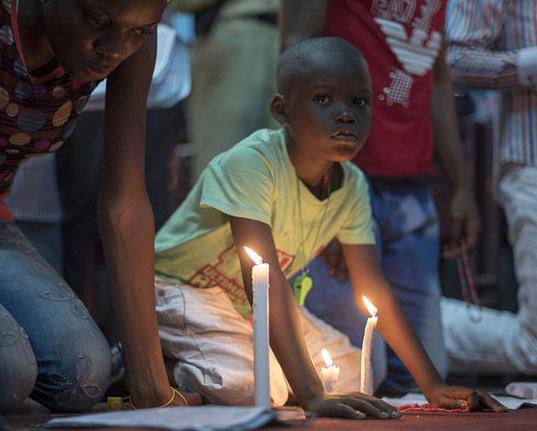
[[484, 37]]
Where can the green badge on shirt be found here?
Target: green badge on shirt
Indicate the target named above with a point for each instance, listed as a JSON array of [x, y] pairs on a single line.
[[301, 286]]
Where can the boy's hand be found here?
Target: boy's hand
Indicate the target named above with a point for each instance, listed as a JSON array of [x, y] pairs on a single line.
[[351, 405], [457, 397], [334, 259]]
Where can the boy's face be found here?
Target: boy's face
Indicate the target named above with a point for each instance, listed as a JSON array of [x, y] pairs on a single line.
[[327, 113]]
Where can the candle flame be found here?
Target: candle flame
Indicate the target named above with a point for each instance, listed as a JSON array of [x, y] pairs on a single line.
[[370, 307], [254, 256], [326, 357]]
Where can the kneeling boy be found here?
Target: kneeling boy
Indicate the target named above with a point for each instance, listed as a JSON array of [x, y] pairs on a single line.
[[286, 194]]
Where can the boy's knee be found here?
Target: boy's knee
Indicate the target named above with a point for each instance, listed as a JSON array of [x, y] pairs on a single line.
[[76, 383], [222, 385], [229, 387], [240, 392], [235, 392]]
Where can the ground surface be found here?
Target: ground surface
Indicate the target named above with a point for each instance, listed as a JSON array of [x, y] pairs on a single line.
[[521, 420]]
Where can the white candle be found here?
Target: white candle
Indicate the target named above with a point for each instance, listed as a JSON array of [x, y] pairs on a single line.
[[260, 287], [330, 374], [366, 374]]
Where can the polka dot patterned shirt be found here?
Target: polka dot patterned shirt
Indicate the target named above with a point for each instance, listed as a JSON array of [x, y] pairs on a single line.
[[37, 114]]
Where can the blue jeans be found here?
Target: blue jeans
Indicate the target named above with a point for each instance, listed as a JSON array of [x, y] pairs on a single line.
[[50, 348], [407, 239], [46, 239]]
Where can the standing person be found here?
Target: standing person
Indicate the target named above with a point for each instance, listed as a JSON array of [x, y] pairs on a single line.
[[233, 66], [53, 54], [413, 117], [493, 45]]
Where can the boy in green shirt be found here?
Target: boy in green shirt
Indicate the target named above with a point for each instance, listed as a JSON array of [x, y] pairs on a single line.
[[285, 194]]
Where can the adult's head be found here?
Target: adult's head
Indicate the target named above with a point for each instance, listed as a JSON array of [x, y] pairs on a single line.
[[324, 99], [90, 38]]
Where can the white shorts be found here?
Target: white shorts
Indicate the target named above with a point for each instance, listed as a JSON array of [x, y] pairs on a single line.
[[211, 347]]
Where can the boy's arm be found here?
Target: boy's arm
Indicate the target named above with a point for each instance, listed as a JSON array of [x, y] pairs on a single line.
[[301, 19], [464, 223], [286, 334], [367, 279]]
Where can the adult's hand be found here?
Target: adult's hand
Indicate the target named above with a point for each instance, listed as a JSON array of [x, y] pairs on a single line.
[[334, 259], [463, 216], [351, 405], [464, 224]]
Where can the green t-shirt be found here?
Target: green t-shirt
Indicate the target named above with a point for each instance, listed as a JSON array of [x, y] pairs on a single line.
[[256, 180]]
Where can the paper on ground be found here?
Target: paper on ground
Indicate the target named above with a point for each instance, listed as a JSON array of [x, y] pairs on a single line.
[[522, 389], [510, 402], [202, 418]]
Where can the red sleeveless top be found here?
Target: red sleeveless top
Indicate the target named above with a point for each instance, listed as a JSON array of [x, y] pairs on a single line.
[[401, 40], [37, 114]]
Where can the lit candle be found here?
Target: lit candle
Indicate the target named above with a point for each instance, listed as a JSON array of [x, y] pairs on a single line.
[[366, 374], [330, 374], [260, 288]]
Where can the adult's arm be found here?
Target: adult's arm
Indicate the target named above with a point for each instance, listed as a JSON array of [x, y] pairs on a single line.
[[127, 227], [473, 30], [464, 223], [286, 333], [301, 19], [367, 279]]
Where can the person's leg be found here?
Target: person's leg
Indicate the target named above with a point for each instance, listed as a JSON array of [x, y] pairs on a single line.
[[47, 239], [210, 345], [320, 335], [407, 219], [480, 347], [503, 342], [18, 369], [73, 357], [79, 166], [165, 129], [333, 302], [231, 92]]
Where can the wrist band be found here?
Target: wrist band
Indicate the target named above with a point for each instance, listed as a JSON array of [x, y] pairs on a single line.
[[176, 392], [128, 402]]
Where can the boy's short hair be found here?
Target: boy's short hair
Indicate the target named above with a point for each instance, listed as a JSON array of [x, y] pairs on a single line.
[[301, 57]]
